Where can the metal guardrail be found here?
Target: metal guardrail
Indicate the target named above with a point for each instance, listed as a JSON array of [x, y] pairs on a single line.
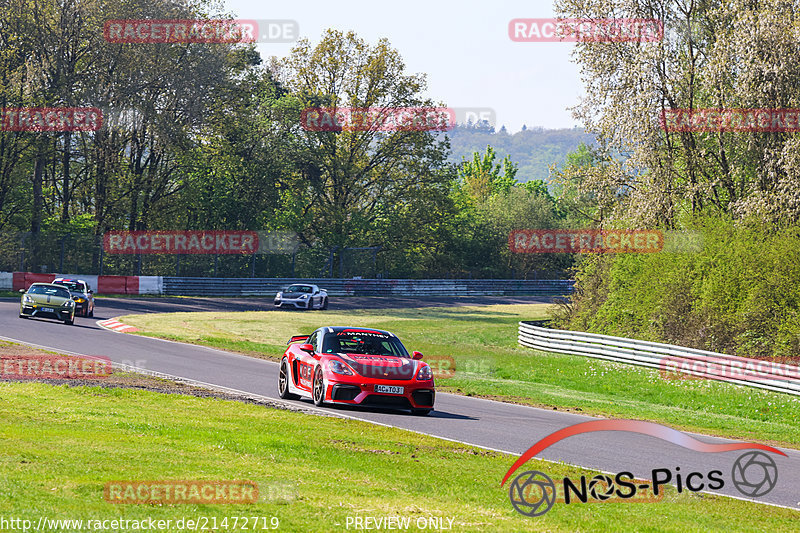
[[180, 286], [665, 357]]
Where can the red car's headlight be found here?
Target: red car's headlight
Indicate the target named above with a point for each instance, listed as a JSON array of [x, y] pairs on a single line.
[[337, 367], [425, 373]]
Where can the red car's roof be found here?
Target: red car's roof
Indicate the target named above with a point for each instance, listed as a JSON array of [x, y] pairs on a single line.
[[348, 329]]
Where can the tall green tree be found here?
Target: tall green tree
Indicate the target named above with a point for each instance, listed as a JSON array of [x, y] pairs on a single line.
[[715, 54], [482, 177], [350, 183]]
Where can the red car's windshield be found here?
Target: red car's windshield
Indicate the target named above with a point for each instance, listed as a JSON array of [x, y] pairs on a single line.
[[371, 343]]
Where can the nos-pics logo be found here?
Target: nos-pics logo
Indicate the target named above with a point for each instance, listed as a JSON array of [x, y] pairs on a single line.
[[533, 493]]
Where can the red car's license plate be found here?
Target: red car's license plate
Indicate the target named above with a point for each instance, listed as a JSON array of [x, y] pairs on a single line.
[[389, 389]]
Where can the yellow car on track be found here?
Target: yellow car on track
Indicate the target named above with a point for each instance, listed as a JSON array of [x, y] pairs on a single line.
[[47, 300]]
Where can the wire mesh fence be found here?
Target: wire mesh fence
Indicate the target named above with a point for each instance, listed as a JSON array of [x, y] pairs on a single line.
[[86, 253]]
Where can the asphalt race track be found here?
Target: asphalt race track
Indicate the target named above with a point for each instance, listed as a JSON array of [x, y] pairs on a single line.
[[494, 425]]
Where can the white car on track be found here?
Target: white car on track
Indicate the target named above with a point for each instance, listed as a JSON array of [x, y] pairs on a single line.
[[302, 296]]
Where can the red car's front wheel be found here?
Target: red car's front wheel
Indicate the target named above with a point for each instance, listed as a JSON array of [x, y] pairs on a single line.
[[318, 388]]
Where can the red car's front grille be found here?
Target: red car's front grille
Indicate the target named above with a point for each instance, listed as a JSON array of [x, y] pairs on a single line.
[[379, 400], [388, 370]]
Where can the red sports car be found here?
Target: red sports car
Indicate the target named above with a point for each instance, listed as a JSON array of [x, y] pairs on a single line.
[[356, 366]]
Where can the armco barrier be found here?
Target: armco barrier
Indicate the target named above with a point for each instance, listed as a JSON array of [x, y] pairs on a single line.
[[267, 287], [665, 357], [180, 286]]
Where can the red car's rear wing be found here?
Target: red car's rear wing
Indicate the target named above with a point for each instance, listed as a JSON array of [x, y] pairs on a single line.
[[296, 338]]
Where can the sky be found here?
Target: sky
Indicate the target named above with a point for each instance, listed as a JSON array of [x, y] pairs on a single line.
[[461, 45]]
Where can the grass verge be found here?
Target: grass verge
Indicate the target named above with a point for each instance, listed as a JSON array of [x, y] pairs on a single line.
[[63, 443]]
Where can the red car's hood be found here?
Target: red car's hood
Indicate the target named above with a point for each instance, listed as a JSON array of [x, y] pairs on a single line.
[[381, 366]]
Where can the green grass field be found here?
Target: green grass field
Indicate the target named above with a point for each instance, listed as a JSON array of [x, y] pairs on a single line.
[[62, 444], [490, 363]]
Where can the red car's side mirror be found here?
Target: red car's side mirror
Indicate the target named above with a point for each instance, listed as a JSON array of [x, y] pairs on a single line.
[[417, 355], [307, 348]]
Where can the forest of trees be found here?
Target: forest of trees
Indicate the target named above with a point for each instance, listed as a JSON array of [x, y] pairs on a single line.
[[739, 191], [207, 136]]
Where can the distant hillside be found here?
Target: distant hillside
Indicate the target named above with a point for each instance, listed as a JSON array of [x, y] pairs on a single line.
[[533, 149]]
